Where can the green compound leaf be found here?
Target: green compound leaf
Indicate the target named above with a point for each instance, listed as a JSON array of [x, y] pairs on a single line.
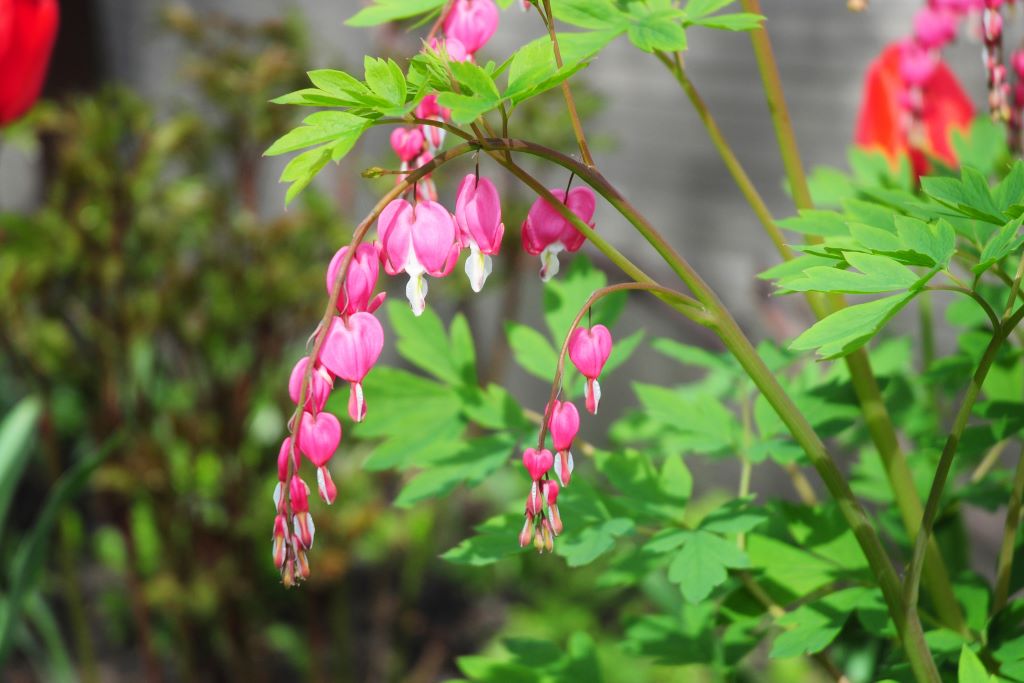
[[811, 628], [532, 351], [496, 539], [702, 564], [592, 14], [656, 29], [970, 669], [876, 274], [583, 546], [849, 328]]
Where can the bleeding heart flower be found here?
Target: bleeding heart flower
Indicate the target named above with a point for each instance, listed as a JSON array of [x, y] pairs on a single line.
[[478, 214], [589, 350], [280, 541], [537, 462], [934, 27], [407, 143], [360, 281], [564, 425], [472, 22], [546, 232], [319, 436], [28, 29], [320, 385], [350, 350], [881, 121], [420, 241]]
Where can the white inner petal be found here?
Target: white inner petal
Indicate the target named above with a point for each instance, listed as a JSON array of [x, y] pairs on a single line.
[[549, 261], [478, 267]]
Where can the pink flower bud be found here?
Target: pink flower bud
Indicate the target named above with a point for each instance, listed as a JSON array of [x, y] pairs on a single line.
[[319, 436], [535, 500], [320, 385], [548, 536], [564, 424], [478, 215], [298, 494], [933, 28], [472, 22], [546, 232], [537, 462], [420, 241], [282, 459], [917, 64], [350, 350], [280, 541], [407, 143], [301, 561], [452, 47], [360, 281], [589, 350], [992, 26], [526, 535]]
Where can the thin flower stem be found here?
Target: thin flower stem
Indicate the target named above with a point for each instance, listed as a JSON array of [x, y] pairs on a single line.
[[779, 111], [1006, 551], [440, 21], [913, 577], [570, 103], [665, 293], [1015, 287], [989, 461], [732, 163], [993, 317]]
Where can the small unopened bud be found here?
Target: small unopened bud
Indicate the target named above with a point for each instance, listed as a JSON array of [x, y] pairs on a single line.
[[549, 537], [526, 535], [538, 542], [288, 574], [298, 494], [280, 541], [304, 528], [534, 501], [301, 562], [374, 172]]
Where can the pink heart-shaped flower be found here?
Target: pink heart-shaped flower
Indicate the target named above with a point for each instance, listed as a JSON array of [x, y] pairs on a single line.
[[537, 462], [319, 436]]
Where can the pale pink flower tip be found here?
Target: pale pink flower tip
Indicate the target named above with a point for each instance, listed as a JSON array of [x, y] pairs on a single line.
[[546, 233], [589, 350], [472, 22], [478, 215]]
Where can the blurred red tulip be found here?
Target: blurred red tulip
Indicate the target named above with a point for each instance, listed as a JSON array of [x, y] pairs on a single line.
[[881, 121], [28, 29]]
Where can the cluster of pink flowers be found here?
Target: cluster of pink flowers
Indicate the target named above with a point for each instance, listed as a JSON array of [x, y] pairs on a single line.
[[351, 347], [589, 349], [418, 236]]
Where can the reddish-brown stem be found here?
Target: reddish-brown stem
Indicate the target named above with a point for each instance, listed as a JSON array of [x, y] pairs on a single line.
[[440, 20], [556, 385], [570, 103]]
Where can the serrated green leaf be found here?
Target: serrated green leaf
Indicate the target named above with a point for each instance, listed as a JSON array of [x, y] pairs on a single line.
[[850, 328], [936, 240], [735, 516], [970, 669], [496, 539], [698, 8], [876, 274], [657, 30], [385, 79], [423, 342], [582, 546], [702, 564], [336, 127], [532, 351], [811, 628], [817, 222], [383, 11], [1003, 242], [592, 14], [737, 21]]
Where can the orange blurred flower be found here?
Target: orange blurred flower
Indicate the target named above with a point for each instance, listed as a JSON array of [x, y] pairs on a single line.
[[885, 120]]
